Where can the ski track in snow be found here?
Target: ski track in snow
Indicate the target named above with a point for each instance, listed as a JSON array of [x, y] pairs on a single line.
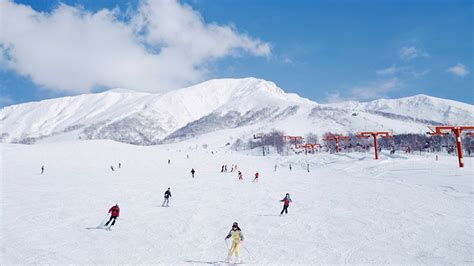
[[349, 209]]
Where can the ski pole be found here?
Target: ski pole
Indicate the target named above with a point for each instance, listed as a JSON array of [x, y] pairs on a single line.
[[251, 257], [226, 244]]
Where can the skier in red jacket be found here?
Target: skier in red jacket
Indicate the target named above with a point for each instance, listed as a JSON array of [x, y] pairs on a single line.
[[115, 212], [286, 202], [256, 177]]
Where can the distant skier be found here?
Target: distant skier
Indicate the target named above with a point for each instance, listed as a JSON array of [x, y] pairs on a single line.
[[286, 202], [225, 168], [236, 234], [256, 177], [192, 172], [120, 165], [114, 214], [222, 169], [290, 166], [307, 167], [187, 156], [241, 177], [275, 167], [42, 169], [167, 198], [112, 168], [169, 161]]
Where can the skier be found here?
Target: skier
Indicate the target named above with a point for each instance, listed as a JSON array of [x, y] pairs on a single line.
[[167, 196], [256, 177], [290, 166], [286, 202], [169, 161], [241, 177], [236, 234], [225, 168], [42, 169], [275, 167], [222, 169], [192, 172], [115, 213], [112, 168], [120, 165], [307, 167]]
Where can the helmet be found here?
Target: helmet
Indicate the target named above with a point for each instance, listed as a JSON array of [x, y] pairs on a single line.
[[235, 224]]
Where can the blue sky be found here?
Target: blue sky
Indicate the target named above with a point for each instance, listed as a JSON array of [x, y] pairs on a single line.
[[323, 50]]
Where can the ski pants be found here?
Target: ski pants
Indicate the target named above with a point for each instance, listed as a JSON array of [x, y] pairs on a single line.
[[234, 249], [285, 209], [165, 202], [113, 222]]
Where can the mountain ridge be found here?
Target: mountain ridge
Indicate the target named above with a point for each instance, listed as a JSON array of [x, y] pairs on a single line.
[[147, 119]]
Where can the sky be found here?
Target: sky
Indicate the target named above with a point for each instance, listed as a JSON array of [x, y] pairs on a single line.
[[327, 51]]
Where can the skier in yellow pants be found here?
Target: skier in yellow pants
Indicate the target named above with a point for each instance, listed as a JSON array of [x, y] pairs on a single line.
[[236, 234]]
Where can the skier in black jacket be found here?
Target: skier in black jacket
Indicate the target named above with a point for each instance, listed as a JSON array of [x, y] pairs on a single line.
[[167, 198]]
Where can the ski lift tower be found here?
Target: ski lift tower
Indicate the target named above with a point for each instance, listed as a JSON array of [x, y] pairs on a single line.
[[374, 134], [336, 138], [457, 130]]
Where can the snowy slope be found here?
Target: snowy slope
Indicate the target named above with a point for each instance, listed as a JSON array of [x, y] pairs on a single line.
[[255, 104], [349, 209]]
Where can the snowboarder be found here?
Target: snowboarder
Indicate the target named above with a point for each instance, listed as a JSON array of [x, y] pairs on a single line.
[[114, 214], [42, 169], [286, 202], [241, 177], [256, 177], [112, 168], [192, 172], [167, 198], [236, 234]]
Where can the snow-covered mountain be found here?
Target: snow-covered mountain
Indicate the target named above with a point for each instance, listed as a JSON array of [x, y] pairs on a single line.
[[247, 105]]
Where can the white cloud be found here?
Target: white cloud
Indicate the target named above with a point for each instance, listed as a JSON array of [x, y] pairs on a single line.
[[405, 71], [334, 97], [459, 70], [388, 71], [409, 53], [375, 90], [164, 45]]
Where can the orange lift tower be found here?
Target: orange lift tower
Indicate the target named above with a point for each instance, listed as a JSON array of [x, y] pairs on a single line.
[[374, 134], [336, 138], [441, 130]]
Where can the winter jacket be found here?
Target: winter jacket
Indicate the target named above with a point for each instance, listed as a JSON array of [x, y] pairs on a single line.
[[115, 211], [167, 194], [236, 235], [286, 201]]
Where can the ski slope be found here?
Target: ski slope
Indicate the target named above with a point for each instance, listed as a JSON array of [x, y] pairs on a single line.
[[348, 209]]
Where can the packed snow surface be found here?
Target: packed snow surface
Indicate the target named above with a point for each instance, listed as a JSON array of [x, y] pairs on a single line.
[[347, 209]]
